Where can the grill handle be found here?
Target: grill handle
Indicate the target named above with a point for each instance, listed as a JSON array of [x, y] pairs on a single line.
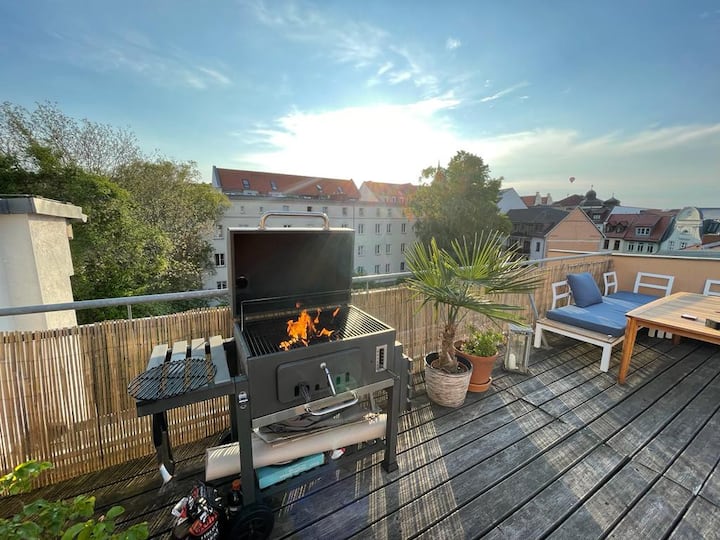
[[319, 215], [333, 408]]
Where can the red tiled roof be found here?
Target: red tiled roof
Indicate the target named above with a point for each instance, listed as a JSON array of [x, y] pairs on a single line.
[[571, 200], [264, 183], [529, 200], [657, 224], [385, 192]]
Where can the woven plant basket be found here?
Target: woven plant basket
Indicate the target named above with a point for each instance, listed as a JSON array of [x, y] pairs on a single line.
[[446, 389]]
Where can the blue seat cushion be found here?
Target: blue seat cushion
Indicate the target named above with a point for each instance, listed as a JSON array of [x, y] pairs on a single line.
[[605, 318], [632, 299], [584, 289]]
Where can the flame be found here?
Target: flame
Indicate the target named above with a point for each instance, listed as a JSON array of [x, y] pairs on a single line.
[[305, 328]]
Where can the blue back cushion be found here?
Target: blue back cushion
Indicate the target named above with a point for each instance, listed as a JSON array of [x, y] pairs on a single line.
[[584, 289]]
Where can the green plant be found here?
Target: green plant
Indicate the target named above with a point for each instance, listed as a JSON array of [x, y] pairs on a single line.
[[59, 519], [467, 278], [482, 342]]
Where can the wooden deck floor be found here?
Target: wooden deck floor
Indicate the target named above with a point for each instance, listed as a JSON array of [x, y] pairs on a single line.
[[563, 453]]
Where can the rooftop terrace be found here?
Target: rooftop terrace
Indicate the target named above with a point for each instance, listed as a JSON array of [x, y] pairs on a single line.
[[562, 452]]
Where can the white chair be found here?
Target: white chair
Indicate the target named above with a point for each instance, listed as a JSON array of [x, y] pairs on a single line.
[[709, 290], [640, 281], [610, 280]]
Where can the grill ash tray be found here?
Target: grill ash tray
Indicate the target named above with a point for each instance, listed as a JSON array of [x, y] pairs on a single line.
[[171, 379]]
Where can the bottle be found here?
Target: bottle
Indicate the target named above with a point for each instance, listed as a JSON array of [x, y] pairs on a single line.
[[235, 499]]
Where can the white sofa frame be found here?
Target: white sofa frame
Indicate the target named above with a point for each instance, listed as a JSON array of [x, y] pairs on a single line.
[[561, 291]]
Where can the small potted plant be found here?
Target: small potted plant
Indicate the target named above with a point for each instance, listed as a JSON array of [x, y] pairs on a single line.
[[481, 349], [466, 278]]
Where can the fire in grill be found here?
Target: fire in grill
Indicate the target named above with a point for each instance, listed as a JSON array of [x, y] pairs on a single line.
[[266, 336]]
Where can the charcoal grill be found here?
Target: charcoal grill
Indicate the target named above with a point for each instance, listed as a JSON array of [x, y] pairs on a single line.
[[275, 274]]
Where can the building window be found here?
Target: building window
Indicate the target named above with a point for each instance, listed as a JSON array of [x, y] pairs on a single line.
[[402, 266], [606, 244], [246, 183], [286, 226], [596, 217], [273, 185], [671, 244], [344, 226], [360, 270], [361, 228], [683, 245], [286, 208], [387, 268], [377, 268], [344, 211], [242, 209], [261, 209], [361, 212], [387, 249], [377, 249], [361, 250], [631, 246], [309, 208], [221, 284], [616, 245], [389, 228], [402, 247], [219, 259], [641, 247], [389, 212], [325, 210], [377, 228], [537, 247], [650, 248], [642, 231], [219, 230], [403, 228]]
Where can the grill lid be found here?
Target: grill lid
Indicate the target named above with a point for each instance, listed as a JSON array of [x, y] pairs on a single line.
[[289, 266]]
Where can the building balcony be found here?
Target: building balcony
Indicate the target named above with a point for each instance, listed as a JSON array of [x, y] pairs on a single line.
[[563, 451]]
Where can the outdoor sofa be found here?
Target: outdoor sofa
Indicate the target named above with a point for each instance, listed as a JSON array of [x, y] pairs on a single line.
[[593, 317]]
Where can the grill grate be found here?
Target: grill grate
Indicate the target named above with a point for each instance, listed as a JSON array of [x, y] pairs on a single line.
[[264, 337], [172, 379]]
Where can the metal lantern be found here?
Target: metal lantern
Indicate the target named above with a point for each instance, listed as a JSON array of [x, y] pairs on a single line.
[[517, 350]]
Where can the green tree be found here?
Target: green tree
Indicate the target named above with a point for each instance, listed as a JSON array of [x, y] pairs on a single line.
[[148, 220], [460, 201]]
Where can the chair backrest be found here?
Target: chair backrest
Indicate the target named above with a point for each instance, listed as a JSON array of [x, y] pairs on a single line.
[[712, 287], [560, 290], [641, 276], [610, 280]]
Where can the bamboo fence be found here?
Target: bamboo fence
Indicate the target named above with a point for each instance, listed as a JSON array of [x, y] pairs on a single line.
[[64, 391]]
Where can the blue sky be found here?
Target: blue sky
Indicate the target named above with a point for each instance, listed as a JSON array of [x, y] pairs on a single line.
[[621, 95]]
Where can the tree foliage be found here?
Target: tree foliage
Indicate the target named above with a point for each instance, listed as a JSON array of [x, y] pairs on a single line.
[[460, 201], [67, 519], [148, 220]]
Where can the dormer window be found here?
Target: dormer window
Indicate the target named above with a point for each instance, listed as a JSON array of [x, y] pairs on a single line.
[[246, 183], [340, 189], [642, 231], [318, 187], [273, 185]]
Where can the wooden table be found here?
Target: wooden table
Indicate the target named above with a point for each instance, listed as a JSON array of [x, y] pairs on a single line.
[[665, 314]]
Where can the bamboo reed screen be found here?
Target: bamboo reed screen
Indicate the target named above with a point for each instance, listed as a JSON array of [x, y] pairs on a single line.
[[64, 392]]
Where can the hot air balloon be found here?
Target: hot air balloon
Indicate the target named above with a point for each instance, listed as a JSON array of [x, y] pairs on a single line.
[[572, 179]]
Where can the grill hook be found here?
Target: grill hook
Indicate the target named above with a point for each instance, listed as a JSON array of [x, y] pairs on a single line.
[[329, 378]]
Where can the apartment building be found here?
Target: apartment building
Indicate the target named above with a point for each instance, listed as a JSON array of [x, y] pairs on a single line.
[[377, 213]]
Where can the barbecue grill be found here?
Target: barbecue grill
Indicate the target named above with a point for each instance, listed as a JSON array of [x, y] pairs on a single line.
[[276, 276], [299, 349]]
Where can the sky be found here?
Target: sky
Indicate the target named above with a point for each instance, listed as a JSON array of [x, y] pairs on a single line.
[[623, 96]]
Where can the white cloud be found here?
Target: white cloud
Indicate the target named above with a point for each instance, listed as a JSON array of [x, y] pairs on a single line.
[[136, 53], [664, 167], [452, 44], [504, 92]]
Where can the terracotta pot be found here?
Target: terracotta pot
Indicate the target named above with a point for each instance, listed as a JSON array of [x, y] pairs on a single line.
[[481, 378], [446, 389]]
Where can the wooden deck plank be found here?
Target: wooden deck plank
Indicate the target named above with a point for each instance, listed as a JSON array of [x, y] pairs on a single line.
[[701, 522], [654, 515], [562, 451]]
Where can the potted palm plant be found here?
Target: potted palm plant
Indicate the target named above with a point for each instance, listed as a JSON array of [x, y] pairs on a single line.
[[481, 349], [457, 281]]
